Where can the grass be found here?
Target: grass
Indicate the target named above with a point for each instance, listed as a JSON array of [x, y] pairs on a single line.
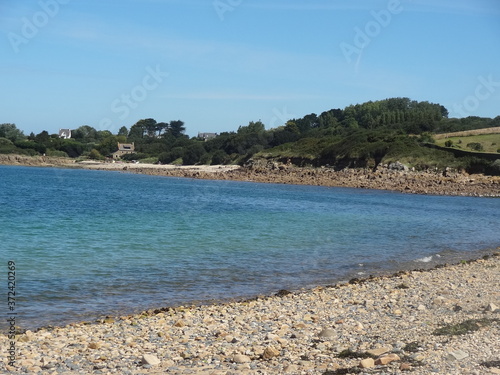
[[490, 142]]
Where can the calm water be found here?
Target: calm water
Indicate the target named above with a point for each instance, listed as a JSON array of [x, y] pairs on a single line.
[[91, 243]]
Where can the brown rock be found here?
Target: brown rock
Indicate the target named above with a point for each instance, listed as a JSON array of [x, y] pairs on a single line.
[[405, 366], [270, 352], [367, 363], [384, 360], [94, 345], [180, 323], [379, 351]]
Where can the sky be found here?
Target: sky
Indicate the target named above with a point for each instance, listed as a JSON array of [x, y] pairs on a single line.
[[219, 64]]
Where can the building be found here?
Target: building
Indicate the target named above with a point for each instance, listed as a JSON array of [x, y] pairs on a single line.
[[65, 133], [123, 149], [207, 136]]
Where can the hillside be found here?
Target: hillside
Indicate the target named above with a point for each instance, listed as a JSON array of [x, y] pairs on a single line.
[[358, 136]]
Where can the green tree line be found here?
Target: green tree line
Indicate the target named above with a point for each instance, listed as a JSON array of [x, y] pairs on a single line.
[[358, 135]]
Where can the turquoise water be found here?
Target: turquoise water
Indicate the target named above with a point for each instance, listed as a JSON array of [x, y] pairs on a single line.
[[91, 243]]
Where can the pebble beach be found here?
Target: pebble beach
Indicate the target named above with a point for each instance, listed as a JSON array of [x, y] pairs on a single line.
[[440, 321]]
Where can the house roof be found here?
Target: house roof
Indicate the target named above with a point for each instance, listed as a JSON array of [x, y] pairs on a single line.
[[126, 147]]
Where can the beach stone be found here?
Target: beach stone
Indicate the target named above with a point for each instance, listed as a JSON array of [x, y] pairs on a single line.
[[241, 358], [386, 359], [94, 345], [327, 333], [150, 359], [456, 355], [405, 366], [439, 301], [290, 369], [379, 351], [270, 352], [367, 363], [491, 307], [180, 323]]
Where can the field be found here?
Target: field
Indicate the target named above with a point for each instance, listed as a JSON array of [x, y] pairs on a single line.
[[482, 143]]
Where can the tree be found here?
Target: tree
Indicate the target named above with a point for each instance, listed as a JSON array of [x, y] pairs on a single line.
[[123, 131], [85, 134], [252, 127], [161, 127], [137, 131], [143, 127], [11, 132], [176, 128], [193, 154]]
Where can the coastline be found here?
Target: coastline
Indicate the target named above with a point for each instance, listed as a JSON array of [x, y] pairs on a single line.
[[404, 181], [411, 320]]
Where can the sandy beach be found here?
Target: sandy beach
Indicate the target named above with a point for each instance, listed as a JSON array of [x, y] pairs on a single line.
[[442, 321]]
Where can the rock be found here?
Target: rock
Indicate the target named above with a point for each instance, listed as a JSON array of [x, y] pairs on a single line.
[[241, 358], [290, 369], [418, 357], [180, 323], [397, 166], [384, 360], [405, 366], [94, 345], [491, 307], [379, 351], [270, 352], [421, 308], [439, 301], [367, 363], [456, 355], [150, 359], [327, 333]]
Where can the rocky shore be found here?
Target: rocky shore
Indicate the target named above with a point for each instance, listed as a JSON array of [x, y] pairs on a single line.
[[393, 177], [384, 178], [442, 321]]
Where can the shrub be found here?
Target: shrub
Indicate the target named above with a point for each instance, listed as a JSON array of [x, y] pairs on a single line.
[[220, 157], [57, 153], [475, 146], [96, 155], [448, 143], [134, 156]]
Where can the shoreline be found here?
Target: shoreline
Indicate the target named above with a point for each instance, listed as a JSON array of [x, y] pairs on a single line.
[[306, 331], [384, 178]]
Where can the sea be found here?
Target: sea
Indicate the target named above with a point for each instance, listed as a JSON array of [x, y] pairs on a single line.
[[88, 244]]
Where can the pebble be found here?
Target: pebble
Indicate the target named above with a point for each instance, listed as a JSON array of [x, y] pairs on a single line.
[[150, 359], [367, 363]]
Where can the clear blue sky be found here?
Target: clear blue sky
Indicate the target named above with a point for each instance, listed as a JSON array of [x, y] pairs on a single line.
[[219, 64]]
